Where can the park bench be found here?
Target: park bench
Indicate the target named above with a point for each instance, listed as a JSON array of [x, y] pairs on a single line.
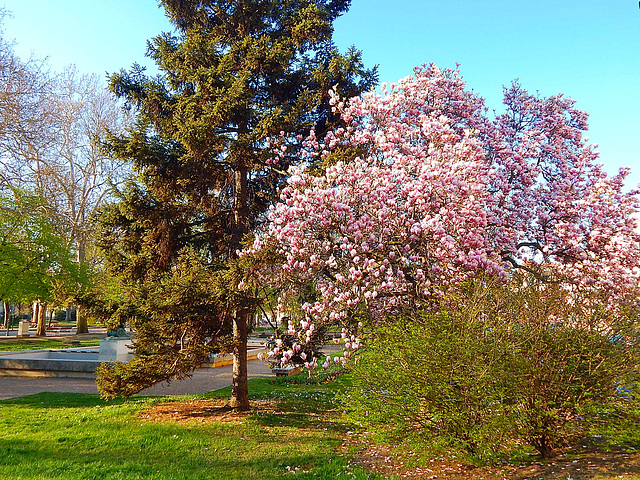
[[59, 330]]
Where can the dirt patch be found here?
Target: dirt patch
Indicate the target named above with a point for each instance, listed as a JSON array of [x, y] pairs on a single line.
[[583, 466], [202, 411]]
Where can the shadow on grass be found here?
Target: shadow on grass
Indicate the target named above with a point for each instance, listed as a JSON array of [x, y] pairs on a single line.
[[298, 421]]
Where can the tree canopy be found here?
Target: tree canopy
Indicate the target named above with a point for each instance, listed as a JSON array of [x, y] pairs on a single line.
[[425, 192], [238, 79], [35, 262], [50, 127]]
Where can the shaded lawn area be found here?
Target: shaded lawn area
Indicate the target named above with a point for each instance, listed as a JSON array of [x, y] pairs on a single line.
[[295, 431], [15, 344]]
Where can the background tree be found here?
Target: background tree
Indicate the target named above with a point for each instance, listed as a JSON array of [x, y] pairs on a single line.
[[235, 77], [35, 263], [50, 132], [24, 117], [75, 173]]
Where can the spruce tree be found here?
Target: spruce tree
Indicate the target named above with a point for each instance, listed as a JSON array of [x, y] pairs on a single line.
[[236, 78]]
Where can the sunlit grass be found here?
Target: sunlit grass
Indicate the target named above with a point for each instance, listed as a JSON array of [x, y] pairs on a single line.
[[15, 344], [76, 436]]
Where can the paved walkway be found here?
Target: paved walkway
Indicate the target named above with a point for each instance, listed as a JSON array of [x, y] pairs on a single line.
[[203, 380]]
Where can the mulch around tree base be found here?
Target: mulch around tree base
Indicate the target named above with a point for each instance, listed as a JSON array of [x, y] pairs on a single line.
[[202, 411]]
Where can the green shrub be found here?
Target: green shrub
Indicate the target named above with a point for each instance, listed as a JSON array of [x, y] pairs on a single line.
[[504, 365], [437, 375], [571, 355]]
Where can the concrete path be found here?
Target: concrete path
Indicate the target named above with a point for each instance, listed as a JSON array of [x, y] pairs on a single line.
[[203, 380]]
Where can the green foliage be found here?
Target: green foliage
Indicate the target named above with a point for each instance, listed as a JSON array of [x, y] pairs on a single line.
[[35, 260], [571, 354], [179, 321], [118, 379], [505, 364], [439, 374], [616, 427], [234, 76]]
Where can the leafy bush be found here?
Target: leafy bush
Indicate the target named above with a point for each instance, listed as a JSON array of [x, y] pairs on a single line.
[[571, 354], [438, 375], [503, 365]]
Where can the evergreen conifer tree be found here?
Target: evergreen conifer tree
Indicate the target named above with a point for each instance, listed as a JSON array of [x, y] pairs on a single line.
[[235, 75]]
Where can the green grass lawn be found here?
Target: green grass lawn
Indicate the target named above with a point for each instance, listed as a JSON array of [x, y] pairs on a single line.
[[295, 431], [77, 436], [14, 344]]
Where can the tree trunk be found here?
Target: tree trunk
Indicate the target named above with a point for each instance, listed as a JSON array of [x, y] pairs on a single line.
[[35, 309], [39, 310], [82, 325], [239, 389], [5, 306]]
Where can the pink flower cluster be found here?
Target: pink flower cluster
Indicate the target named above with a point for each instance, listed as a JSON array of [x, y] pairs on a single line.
[[438, 193]]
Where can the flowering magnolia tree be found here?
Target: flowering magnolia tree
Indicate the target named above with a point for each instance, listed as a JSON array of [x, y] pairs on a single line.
[[422, 191]]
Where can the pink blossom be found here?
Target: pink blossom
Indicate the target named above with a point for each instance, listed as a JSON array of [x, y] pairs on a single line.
[[442, 194]]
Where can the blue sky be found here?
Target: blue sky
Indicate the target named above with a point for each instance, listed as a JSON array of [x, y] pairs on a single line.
[[588, 49]]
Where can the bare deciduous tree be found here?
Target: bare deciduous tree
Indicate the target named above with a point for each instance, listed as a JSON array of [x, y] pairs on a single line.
[[50, 132]]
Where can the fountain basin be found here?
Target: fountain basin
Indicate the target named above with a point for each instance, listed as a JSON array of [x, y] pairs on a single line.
[[68, 362], [82, 362]]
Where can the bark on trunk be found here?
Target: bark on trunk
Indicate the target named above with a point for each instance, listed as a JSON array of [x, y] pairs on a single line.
[[82, 325], [5, 319], [39, 310], [239, 388], [35, 309]]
